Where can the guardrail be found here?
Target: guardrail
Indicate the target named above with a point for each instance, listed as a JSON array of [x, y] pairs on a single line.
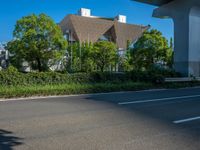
[[184, 79]]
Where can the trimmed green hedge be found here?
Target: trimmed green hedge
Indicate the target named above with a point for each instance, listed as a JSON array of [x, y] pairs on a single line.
[[11, 77]]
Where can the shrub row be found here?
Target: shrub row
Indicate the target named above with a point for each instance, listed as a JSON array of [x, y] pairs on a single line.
[[153, 75], [12, 77]]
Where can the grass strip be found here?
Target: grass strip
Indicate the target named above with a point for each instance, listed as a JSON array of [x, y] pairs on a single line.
[[68, 89], [86, 88]]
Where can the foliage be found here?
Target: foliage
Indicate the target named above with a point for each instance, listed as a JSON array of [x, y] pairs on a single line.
[[150, 50], [108, 77], [11, 77], [80, 57], [88, 57], [154, 75], [38, 41], [87, 64], [125, 61], [17, 84], [170, 55], [104, 55]]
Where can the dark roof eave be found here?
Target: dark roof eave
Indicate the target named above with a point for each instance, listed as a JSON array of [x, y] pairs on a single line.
[[154, 2]]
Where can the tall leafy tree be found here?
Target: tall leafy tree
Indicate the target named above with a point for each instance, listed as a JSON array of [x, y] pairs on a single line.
[[38, 41], [170, 54], [126, 59], [87, 63], [151, 49], [80, 59], [74, 61], [104, 54]]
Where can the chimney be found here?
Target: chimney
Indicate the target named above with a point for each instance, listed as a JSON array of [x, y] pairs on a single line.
[[121, 18], [84, 12]]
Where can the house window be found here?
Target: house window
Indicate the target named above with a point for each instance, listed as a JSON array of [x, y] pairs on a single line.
[[66, 36], [121, 52], [105, 38]]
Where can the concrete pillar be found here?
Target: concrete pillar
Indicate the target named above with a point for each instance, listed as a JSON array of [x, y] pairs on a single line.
[[186, 17], [194, 41], [181, 45]]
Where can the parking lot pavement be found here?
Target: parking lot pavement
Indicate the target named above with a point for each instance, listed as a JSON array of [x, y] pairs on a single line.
[[145, 120]]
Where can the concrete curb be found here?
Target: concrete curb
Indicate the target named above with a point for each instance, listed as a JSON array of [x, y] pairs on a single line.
[[63, 96], [91, 94]]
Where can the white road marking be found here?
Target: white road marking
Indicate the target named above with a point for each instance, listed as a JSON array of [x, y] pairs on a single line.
[[157, 100], [186, 120]]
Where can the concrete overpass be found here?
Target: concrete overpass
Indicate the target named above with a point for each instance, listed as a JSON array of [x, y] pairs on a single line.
[[186, 17]]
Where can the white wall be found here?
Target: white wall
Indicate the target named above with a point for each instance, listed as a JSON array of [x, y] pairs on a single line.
[[84, 12]]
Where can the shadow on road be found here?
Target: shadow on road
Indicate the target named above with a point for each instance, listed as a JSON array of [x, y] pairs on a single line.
[[159, 112], [8, 141]]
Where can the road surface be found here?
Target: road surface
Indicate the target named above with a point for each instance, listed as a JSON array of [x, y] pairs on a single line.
[[146, 120]]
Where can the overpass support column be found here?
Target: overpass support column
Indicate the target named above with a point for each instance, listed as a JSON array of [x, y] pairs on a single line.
[[194, 41], [181, 45], [186, 35]]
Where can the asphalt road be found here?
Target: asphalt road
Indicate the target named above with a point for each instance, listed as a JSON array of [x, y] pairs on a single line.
[[147, 120]]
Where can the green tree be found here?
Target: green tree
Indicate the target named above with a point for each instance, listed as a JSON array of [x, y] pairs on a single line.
[[73, 64], [87, 63], [170, 54], [104, 54], [125, 59], [151, 49], [38, 41], [80, 57]]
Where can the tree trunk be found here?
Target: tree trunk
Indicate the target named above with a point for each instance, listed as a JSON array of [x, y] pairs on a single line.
[[39, 65], [102, 68]]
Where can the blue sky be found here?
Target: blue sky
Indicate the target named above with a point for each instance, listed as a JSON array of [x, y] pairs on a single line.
[[137, 13]]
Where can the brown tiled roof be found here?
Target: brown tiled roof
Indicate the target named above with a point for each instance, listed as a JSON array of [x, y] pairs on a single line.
[[127, 32], [90, 29]]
